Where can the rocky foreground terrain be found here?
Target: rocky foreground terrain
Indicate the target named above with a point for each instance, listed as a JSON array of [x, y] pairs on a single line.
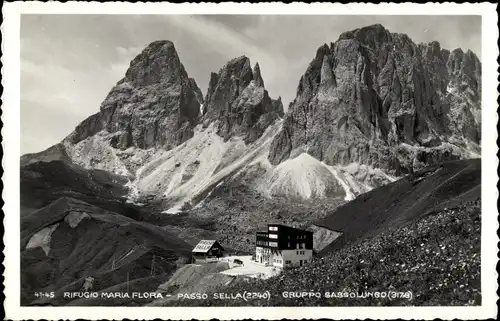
[[380, 137], [437, 258]]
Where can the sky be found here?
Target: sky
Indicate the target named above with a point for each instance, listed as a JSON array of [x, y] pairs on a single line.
[[70, 62]]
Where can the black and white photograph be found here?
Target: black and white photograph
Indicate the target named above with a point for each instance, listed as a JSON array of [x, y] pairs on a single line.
[[237, 159]]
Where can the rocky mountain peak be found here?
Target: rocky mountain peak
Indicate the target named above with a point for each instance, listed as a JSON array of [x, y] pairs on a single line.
[[465, 68], [157, 63], [156, 104], [321, 52], [372, 36], [377, 98], [433, 48], [238, 68], [237, 101], [257, 76]]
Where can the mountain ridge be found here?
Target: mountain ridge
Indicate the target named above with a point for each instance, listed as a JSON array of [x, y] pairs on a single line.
[[373, 146], [372, 91], [366, 111]]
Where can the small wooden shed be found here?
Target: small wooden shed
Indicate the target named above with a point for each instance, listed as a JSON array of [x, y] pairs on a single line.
[[206, 249]]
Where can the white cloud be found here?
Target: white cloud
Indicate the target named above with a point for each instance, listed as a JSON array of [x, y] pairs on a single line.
[[129, 52], [61, 98], [230, 43]]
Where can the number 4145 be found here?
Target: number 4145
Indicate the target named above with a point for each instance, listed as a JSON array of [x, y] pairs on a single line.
[[49, 295]]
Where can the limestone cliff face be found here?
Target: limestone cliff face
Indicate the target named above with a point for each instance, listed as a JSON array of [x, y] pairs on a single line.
[[376, 98], [238, 102], [156, 104]]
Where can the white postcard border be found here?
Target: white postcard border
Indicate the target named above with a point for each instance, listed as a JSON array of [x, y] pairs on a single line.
[[11, 147]]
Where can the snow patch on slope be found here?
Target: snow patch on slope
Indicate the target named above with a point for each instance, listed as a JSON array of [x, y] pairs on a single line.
[[454, 146], [42, 239], [363, 178], [133, 195], [451, 89], [174, 210], [74, 218], [349, 194]]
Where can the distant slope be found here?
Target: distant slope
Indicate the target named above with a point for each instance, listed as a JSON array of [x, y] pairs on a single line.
[[429, 190], [189, 172], [56, 152], [44, 182], [69, 240], [305, 178], [196, 169]]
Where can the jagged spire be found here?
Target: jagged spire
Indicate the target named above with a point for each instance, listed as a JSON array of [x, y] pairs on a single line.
[[326, 73], [237, 100], [214, 78], [257, 76]]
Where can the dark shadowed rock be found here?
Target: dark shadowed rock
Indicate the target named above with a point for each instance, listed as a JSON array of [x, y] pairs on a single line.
[[238, 102], [257, 76], [196, 90], [376, 98]]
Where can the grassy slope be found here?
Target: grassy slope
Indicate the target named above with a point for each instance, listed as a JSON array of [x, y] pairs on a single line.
[[56, 152], [436, 257], [91, 247], [44, 182], [393, 205]]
